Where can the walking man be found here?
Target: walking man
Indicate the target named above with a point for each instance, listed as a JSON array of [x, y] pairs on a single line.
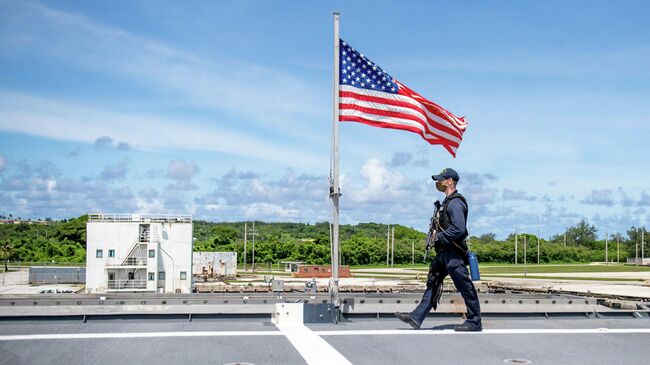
[[451, 257]]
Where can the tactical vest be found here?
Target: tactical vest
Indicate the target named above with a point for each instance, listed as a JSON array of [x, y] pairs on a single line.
[[444, 222]]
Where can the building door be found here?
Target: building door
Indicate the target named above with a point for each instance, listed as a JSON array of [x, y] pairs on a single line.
[[161, 280]]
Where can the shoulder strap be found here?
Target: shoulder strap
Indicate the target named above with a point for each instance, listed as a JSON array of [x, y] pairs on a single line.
[[453, 196]]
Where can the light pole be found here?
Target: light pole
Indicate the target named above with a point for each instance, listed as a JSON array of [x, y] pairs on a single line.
[[606, 247], [538, 246], [253, 233], [636, 249], [525, 260], [516, 244], [388, 245], [392, 253]]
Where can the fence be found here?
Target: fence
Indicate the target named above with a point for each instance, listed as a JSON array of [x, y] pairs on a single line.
[[57, 275]]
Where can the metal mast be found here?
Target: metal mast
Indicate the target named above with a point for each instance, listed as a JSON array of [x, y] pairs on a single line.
[[334, 187]]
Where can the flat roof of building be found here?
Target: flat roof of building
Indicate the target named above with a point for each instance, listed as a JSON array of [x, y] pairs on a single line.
[[139, 218]]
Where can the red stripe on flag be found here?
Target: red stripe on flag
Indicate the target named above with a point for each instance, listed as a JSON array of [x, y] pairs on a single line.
[[433, 107], [454, 132], [393, 114], [438, 141]]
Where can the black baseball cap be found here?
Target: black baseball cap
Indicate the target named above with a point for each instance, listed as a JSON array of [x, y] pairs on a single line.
[[445, 174]]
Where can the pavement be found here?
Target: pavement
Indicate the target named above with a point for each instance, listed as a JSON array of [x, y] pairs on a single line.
[[226, 340], [608, 288]]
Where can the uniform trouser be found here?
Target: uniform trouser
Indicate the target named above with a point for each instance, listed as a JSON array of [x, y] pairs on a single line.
[[453, 262]]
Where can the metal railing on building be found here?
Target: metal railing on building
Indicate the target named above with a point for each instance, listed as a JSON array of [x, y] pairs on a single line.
[[127, 284], [140, 218]]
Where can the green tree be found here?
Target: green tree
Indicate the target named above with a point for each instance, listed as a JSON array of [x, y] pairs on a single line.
[[6, 251]]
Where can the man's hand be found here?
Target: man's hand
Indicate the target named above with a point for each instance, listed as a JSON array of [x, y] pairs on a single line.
[[438, 245]]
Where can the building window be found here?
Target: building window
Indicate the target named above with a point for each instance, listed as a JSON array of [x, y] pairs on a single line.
[[111, 253], [99, 253], [152, 253], [151, 276], [183, 275], [161, 275]]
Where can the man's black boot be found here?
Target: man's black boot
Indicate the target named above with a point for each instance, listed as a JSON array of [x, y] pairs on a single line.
[[468, 327], [406, 318]]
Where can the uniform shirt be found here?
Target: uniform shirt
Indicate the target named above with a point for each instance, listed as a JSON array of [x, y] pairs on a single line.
[[457, 230]]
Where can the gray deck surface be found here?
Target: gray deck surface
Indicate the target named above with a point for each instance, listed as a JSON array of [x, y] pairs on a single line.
[[365, 348]]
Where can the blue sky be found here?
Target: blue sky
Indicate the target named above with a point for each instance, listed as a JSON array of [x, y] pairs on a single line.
[[223, 110]]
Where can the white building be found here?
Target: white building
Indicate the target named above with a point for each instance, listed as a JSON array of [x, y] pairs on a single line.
[[138, 252], [215, 264]]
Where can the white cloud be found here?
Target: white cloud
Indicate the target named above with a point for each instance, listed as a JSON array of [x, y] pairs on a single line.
[[509, 194], [381, 184], [600, 197], [182, 173], [180, 170], [272, 99], [54, 119], [3, 162], [115, 171], [107, 142]]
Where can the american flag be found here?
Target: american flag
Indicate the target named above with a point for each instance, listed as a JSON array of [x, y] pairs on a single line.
[[369, 95]]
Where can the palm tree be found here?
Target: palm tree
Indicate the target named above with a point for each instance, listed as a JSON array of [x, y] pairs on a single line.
[[6, 250]]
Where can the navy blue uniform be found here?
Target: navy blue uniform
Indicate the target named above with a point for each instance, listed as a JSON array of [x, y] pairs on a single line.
[[451, 259]]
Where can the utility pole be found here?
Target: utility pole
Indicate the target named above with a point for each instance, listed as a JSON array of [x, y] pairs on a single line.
[[392, 253], [388, 246], [617, 248], [245, 239], [525, 268], [413, 253], [538, 246], [606, 247], [642, 244], [636, 249], [253, 233], [516, 244]]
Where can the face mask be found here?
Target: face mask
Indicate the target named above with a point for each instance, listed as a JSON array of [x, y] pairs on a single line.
[[441, 186]]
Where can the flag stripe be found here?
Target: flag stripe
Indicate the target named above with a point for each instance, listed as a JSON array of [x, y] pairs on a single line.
[[397, 121], [402, 114], [434, 108], [388, 98], [389, 123], [393, 103]]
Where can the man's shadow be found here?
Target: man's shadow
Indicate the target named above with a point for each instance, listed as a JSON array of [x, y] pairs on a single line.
[[443, 327], [435, 328]]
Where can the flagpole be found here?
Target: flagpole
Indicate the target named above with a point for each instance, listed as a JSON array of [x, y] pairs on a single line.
[[334, 189]]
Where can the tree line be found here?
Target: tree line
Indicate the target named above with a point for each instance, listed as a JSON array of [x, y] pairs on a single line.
[[361, 244]]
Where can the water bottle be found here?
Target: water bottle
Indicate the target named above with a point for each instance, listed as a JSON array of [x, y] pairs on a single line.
[[473, 266]]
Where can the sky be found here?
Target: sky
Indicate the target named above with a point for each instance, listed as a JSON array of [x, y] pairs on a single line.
[[223, 110]]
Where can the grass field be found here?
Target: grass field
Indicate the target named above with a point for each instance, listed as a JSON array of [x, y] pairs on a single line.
[[531, 269]]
